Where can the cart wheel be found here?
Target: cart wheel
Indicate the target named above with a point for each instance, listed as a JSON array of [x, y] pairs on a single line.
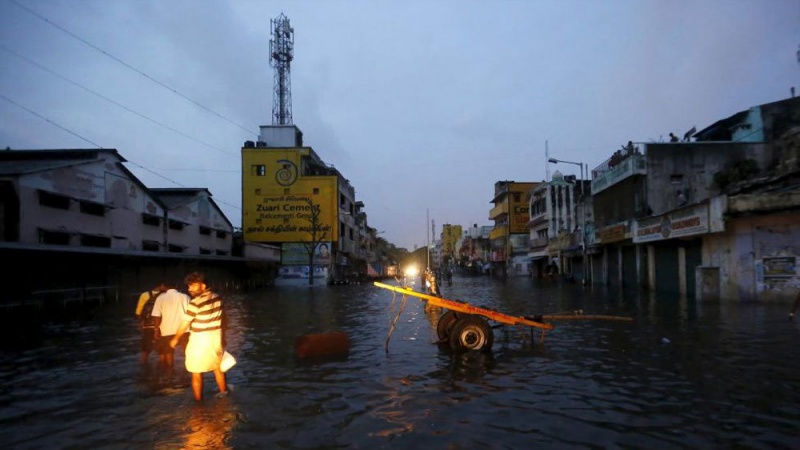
[[444, 325], [471, 333]]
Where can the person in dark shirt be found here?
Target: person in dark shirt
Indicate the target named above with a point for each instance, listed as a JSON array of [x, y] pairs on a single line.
[[144, 310]]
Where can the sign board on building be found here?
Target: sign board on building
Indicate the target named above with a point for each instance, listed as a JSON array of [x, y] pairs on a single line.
[[277, 198], [560, 242], [776, 273], [450, 236], [611, 234], [520, 216], [688, 221], [296, 253], [519, 243]]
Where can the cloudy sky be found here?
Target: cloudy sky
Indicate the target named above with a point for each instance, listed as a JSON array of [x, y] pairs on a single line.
[[422, 105]]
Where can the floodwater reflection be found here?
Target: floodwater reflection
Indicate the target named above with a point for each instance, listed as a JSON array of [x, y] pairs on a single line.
[[682, 375]]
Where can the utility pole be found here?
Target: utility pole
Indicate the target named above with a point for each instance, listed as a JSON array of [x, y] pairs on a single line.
[[427, 238]]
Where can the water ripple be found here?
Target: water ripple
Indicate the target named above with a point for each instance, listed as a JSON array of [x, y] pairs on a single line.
[[683, 375]]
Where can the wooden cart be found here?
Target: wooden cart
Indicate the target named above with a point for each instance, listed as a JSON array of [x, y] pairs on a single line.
[[466, 327]]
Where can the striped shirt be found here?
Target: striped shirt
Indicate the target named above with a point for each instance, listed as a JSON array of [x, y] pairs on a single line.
[[204, 312]]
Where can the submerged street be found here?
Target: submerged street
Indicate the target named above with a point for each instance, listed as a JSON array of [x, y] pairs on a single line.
[[682, 375]]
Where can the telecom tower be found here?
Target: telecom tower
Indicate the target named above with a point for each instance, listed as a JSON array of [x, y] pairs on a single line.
[[281, 50]]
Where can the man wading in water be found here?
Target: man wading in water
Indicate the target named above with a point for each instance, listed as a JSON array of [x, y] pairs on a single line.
[[204, 319]]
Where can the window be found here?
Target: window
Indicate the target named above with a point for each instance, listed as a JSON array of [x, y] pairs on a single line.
[[222, 253], [88, 240], [175, 248], [676, 179], [258, 170], [316, 191], [150, 246], [149, 219], [95, 209], [205, 230], [53, 237], [52, 200], [222, 234], [205, 251], [176, 225]]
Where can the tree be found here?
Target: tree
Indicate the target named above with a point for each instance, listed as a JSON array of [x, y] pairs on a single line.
[[317, 232]]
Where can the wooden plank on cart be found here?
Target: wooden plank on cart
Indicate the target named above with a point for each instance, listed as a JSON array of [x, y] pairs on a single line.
[[466, 308]]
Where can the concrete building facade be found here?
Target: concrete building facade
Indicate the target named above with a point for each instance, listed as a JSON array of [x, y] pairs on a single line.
[[713, 218], [510, 235], [87, 198], [291, 197], [77, 218]]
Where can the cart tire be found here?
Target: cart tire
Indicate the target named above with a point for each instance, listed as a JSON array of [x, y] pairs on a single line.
[[445, 324], [471, 333]]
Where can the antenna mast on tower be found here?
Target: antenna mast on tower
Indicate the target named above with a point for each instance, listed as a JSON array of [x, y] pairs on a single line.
[[281, 51]]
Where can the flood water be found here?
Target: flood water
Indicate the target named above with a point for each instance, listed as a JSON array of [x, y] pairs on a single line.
[[682, 375]]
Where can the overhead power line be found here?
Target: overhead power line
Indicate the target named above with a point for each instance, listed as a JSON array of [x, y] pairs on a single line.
[[101, 147], [49, 121], [181, 185], [165, 86], [75, 83]]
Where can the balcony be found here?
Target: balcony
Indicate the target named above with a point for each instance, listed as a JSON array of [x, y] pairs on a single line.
[[537, 220], [539, 243], [498, 232], [498, 211], [618, 168]]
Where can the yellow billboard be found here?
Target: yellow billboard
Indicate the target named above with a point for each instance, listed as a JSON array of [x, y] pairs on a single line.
[[450, 236], [520, 215], [519, 211], [275, 197]]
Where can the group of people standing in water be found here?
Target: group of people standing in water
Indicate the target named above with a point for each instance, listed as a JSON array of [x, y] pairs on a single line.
[[170, 318]]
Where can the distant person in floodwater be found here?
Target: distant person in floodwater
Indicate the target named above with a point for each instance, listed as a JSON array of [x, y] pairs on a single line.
[[796, 283], [168, 313], [552, 270], [144, 312], [431, 283], [673, 138]]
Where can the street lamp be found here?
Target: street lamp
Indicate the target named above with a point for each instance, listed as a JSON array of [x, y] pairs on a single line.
[[583, 211]]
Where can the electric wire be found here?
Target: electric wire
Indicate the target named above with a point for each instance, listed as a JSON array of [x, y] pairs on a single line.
[[133, 163], [165, 86], [49, 121], [85, 42], [120, 105]]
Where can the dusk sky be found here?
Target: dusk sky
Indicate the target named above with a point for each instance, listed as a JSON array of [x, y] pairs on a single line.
[[422, 105]]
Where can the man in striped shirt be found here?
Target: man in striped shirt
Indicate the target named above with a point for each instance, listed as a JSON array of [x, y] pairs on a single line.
[[204, 319]]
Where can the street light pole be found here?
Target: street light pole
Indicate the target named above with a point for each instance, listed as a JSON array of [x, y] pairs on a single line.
[[583, 210]]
